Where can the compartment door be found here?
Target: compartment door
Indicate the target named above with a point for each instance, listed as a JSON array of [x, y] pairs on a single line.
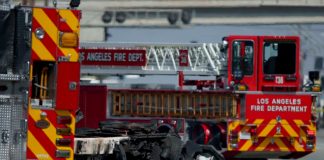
[[68, 79]]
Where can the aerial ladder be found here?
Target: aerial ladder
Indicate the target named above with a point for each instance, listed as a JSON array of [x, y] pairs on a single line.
[[162, 59]]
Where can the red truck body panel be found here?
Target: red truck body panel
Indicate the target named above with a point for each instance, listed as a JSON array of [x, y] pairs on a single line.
[[280, 80], [269, 106], [258, 80], [68, 87], [93, 105]]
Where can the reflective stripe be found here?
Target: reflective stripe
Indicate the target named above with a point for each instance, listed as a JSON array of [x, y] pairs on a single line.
[[247, 145], [289, 130], [73, 23], [267, 129], [288, 140], [281, 145], [263, 145], [36, 148], [47, 24], [40, 49], [50, 46], [70, 19]]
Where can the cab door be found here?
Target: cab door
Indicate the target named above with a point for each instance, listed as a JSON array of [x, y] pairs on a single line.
[[242, 61]]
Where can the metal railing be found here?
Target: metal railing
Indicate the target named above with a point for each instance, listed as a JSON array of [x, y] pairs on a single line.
[[205, 105]]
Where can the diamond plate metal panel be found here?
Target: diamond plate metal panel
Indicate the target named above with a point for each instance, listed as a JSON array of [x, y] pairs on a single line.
[[10, 77], [12, 128], [5, 127], [17, 130]]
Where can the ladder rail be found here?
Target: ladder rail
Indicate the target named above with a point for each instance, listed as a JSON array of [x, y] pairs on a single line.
[[210, 59], [203, 58]]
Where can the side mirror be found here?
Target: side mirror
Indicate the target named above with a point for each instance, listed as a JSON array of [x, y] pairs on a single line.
[[314, 76], [224, 45]]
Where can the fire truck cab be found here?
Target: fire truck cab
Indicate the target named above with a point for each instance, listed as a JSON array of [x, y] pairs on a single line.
[[264, 63], [276, 114]]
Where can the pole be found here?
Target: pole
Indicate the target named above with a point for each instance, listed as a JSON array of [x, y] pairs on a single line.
[[106, 34], [181, 79]]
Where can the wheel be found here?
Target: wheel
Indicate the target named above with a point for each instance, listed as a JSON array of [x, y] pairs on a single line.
[[198, 134], [210, 136], [216, 141]]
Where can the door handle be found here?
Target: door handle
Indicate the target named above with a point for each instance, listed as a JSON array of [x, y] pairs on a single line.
[[73, 86]]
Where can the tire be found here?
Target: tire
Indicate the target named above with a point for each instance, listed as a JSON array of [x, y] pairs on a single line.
[[197, 134], [216, 140]]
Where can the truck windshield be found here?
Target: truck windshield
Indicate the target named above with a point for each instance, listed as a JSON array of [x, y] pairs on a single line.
[[279, 58], [243, 57]]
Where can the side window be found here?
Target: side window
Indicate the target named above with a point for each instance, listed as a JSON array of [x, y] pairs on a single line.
[[279, 58], [243, 54]]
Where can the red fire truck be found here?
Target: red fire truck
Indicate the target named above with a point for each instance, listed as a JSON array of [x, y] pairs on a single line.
[[254, 106], [39, 77]]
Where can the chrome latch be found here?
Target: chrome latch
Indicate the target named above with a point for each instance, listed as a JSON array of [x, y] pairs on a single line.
[[72, 86]]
